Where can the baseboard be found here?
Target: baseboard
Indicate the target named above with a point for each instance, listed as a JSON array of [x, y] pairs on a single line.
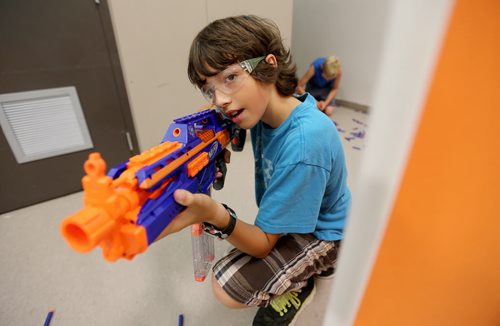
[[353, 105]]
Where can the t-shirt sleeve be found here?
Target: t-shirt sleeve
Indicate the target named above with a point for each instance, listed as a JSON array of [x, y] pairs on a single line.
[[292, 200]]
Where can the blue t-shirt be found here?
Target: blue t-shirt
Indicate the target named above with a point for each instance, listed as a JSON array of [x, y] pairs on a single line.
[[300, 175], [317, 79]]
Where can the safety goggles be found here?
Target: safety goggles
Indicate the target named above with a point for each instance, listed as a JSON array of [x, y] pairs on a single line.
[[231, 79]]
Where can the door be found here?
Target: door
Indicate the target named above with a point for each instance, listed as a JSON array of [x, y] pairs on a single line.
[[53, 44]]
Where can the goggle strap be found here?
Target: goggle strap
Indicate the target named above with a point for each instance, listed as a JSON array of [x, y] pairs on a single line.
[[250, 64]]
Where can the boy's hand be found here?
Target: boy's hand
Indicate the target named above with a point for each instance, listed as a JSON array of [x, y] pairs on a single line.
[[199, 208], [321, 105]]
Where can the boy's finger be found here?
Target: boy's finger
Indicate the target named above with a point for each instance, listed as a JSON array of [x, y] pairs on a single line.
[[183, 197], [227, 156], [187, 198]]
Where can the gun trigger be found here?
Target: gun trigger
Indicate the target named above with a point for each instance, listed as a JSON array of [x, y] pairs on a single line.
[[221, 166]]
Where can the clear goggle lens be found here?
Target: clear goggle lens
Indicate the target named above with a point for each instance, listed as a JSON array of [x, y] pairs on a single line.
[[231, 79]]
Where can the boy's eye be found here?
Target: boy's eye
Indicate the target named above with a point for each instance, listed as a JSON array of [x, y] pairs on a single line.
[[231, 77]]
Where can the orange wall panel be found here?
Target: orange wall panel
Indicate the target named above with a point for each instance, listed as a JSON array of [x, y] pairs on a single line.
[[439, 262]]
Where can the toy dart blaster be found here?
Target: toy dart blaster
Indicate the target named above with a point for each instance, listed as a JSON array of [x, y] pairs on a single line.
[[125, 210]]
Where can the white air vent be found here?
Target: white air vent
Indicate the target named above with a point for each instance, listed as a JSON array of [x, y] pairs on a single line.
[[44, 123]]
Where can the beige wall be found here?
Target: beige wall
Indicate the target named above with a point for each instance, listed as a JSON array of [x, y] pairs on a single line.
[[153, 39]]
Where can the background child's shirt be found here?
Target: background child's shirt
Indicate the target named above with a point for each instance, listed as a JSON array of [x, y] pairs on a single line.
[[300, 175], [317, 80]]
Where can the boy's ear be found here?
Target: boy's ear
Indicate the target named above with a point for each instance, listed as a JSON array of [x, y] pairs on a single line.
[[271, 59]]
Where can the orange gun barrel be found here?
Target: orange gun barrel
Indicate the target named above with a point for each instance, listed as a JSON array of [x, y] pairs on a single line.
[[87, 228]]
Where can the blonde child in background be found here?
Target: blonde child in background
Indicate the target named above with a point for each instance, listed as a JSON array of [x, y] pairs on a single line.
[[322, 81]]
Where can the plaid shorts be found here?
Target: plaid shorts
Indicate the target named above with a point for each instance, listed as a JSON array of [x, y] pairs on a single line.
[[294, 259]]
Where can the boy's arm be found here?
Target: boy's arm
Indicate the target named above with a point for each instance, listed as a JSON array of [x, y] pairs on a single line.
[[301, 86], [252, 240], [201, 208]]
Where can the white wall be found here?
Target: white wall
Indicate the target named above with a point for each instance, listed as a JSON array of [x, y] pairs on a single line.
[[353, 30], [153, 39]]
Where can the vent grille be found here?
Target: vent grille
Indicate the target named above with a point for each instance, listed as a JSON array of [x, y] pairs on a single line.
[[42, 124]]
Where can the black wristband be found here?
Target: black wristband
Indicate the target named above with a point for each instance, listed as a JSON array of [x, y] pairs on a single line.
[[226, 231], [232, 221]]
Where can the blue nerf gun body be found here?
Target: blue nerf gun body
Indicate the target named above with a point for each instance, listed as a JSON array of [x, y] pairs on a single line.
[[125, 210]]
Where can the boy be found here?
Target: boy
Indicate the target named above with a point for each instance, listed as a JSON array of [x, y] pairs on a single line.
[[323, 81], [241, 66]]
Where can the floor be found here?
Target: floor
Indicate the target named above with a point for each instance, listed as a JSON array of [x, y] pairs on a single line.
[[40, 273]]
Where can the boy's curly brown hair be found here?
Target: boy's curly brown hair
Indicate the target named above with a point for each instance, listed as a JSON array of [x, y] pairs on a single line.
[[234, 39]]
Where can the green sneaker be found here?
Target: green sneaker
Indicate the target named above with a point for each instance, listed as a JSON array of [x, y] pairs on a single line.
[[285, 309]]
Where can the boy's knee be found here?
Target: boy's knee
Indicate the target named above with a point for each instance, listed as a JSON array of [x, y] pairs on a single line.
[[329, 110], [223, 297]]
